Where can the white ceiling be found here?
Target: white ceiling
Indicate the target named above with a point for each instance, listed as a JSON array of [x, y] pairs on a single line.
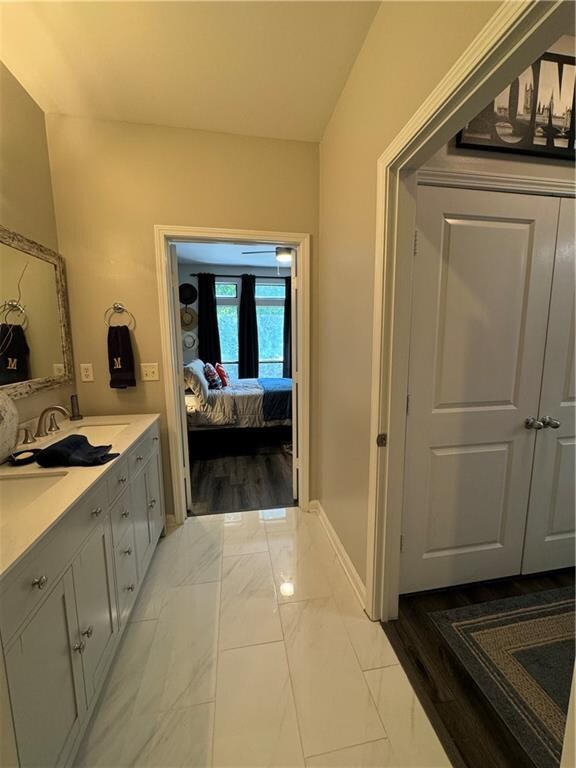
[[226, 255], [271, 69]]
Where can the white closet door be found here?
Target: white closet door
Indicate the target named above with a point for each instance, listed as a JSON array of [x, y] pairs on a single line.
[[550, 530], [482, 279]]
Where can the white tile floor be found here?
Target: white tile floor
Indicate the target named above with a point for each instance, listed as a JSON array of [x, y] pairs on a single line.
[[248, 647]]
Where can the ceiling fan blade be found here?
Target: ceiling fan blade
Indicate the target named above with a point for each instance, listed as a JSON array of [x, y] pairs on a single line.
[[251, 253]]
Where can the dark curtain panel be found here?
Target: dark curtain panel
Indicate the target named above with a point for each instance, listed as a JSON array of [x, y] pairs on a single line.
[[287, 366], [248, 330], [208, 333]]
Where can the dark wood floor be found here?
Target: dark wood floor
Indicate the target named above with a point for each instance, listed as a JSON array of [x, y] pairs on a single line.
[[237, 470], [469, 728]]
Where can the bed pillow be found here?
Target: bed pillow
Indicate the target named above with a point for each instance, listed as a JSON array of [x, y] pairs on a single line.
[[195, 380], [221, 371], [214, 381]]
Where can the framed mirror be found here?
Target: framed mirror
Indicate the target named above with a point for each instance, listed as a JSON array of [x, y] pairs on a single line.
[[35, 340]]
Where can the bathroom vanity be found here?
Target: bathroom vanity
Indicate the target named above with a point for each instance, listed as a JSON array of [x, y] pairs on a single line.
[[75, 545]]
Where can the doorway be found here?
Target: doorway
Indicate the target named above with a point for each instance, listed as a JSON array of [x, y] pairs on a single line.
[[237, 343], [167, 239]]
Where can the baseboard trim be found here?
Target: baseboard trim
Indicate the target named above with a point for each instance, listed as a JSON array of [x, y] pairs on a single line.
[[353, 577]]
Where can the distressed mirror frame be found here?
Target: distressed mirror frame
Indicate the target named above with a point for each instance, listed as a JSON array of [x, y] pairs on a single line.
[[29, 387]]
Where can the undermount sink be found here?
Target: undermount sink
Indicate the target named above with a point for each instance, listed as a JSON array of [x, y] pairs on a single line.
[[17, 491], [99, 434]]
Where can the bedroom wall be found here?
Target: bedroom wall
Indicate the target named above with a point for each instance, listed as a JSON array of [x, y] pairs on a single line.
[[114, 181], [184, 269], [26, 203], [408, 49]]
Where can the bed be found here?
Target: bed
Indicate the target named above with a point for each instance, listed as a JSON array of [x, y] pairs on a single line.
[[243, 403]]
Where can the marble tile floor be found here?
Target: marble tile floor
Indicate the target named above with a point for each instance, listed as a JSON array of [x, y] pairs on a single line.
[[248, 647]]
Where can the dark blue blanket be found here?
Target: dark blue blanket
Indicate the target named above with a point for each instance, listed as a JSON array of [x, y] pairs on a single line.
[[277, 399]]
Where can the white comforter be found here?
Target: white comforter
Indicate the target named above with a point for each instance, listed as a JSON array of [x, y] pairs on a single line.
[[237, 405]]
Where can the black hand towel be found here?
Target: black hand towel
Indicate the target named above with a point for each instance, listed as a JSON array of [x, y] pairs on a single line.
[[75, 451], [15, 353], [120, 357]]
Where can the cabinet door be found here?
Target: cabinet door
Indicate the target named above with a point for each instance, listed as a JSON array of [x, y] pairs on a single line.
[[154, 496], [94, 584], [549, 539], [142, 532], [44, 669]]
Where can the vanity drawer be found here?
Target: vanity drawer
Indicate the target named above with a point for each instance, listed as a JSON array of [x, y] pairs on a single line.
[[121, 516], [117, 478], [35, 576], [142, 451], [126, 574]]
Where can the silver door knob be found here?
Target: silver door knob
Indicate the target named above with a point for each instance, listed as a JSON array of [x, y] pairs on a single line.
[[128, 551], [79, 647], [40, 582], [549, 421], [532, 423], [88, 632]]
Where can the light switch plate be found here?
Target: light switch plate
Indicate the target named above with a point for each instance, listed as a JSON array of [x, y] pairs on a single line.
[[58, 369], [86, 372], [149, 372]]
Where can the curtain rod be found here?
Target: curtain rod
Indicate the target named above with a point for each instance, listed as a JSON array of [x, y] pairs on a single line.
[[235, 277]]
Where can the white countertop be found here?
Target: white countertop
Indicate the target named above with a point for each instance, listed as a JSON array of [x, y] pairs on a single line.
[[23, 528]]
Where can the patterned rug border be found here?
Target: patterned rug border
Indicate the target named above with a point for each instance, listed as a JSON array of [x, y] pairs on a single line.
[[522, 722]]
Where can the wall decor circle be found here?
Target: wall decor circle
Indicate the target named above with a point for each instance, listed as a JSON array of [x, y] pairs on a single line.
[[190, 340], [188, 319], [187, 293]]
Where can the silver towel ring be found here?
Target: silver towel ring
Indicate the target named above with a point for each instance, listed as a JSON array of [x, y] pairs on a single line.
[[9, 307], [117, 309]]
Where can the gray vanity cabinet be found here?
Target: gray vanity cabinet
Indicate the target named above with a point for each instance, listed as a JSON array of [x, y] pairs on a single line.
[[96, 601], [65, 604], [44, 667]]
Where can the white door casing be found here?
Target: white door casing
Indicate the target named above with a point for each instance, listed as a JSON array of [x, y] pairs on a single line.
[[550, 529], [482, 277]]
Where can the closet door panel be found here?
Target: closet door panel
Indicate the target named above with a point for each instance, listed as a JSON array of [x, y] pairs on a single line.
[[482, 278], [550, 529]]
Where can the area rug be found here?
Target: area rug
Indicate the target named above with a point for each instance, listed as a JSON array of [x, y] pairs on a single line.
[[520, 652]]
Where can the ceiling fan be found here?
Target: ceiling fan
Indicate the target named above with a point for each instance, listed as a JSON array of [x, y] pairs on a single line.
[[283, 253]]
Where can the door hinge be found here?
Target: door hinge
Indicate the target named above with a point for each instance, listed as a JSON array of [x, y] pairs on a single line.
[[382, 440]]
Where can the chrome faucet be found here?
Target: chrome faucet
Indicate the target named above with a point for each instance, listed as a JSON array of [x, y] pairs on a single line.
[[51, 411]]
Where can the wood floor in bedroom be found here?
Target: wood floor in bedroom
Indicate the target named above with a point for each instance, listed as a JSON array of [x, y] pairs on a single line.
[[239, 470]]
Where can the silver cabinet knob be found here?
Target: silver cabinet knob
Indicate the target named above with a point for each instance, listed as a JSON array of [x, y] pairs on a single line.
[[125, 513], [130, 588], [155, 439], [40, 582], [122, 479], [128, 551], [152, 503], [79, 647], [139, 458], [96, 512], [88, 632], [550, 421], [532, 423]]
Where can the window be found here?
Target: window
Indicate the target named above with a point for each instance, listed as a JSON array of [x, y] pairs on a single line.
[[270, 294]]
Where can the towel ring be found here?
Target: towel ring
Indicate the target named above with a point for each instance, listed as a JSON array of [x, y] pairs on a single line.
[[117, 309], [11, 306]]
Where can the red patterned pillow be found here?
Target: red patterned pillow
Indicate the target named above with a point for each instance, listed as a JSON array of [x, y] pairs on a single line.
[[221, 371], [212, 377]]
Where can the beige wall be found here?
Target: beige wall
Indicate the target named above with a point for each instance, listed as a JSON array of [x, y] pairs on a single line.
[[26, 204], [114, 181], [409, 47]]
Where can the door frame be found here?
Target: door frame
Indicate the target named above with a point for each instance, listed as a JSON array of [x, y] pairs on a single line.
[[513, 38], [169, 327]]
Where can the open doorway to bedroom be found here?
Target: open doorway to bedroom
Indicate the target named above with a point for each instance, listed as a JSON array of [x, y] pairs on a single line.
[[237, 338]]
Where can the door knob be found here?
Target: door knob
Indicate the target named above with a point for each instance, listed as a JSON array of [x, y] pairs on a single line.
[[549, 421], [88, 632], [79, 647], [532, 423]]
